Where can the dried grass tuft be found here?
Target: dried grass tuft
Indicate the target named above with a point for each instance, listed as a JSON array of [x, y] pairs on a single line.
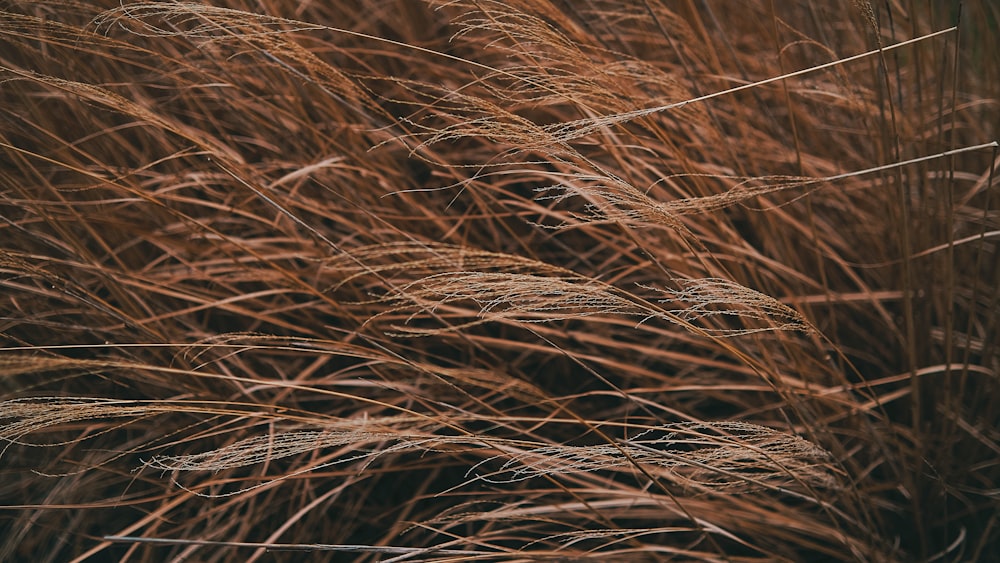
[[481, 280]]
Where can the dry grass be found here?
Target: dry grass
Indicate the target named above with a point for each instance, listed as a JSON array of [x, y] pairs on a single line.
[[477, 280]]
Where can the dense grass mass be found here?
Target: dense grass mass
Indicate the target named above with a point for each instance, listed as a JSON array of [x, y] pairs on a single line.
[[476, 280]]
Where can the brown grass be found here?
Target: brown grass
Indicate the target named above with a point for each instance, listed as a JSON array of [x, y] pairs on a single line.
[[477, 280]]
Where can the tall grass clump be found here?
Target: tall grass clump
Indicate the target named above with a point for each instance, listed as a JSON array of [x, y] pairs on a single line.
[[477, 280]]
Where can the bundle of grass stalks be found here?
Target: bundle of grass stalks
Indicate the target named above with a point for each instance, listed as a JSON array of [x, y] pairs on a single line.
[[477, 280]]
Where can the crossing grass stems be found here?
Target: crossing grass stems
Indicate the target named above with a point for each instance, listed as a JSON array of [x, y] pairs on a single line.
[[480, 280]]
